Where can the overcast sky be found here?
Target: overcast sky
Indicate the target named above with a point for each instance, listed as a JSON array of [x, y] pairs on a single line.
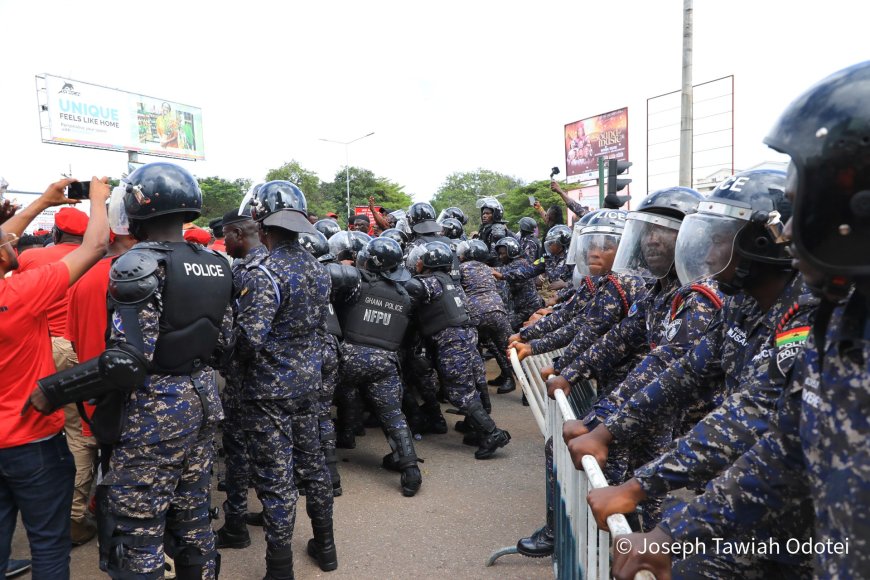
[[446, 86]]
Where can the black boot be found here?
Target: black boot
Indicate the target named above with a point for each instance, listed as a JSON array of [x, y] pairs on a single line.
[[233, 535], [349, 420], [508, 386], [432, 411], [322, 546], [404, 459], [491, 437], [539, 544], [332, 465], [254, 518], [498, 381], [279, 563], [483, 391]]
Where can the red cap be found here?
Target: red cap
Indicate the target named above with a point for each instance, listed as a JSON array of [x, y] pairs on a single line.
[[71, 221], [197, 235], [40, 232], [332, 215]]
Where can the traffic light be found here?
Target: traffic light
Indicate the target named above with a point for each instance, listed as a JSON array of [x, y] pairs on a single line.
[[615, 184]]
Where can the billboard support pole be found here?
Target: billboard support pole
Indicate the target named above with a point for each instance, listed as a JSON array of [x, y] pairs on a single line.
[[132, 161], [686, 99], [601, 181]]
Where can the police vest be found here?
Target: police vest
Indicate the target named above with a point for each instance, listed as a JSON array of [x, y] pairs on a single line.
[[333, 327], [196, 292], [445, 311], [380, 317]]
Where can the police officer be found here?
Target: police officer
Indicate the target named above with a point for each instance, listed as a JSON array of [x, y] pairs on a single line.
[[282, 308], [818, 445], [451, 228], [492, 224], [244, 246], [528, 242], [455, 213], [556, 244], [327, 227], [444, 321], [374, 319], [169, 308], [524, 295]]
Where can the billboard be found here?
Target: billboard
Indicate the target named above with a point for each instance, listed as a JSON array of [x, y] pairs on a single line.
[[603, 135], [89, 115]]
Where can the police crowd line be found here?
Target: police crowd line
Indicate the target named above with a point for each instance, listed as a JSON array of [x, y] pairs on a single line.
[[713, 346]]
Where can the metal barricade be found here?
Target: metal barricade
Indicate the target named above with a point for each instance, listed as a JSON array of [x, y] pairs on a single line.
[[581, 549]]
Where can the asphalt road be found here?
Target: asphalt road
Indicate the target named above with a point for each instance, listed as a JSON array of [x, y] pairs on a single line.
[[465, 510]]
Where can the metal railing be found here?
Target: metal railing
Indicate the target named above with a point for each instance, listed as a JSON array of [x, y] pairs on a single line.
[[581, 549]]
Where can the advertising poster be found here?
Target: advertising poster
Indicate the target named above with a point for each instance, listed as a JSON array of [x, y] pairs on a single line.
[[599, 136], [89, 115]]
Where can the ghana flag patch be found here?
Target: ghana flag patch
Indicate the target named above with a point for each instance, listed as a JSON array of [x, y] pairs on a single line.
[[798, 334]]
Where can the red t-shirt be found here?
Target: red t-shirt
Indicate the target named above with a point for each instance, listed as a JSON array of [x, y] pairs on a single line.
[[25, 351], [86, 317], [40, 257]]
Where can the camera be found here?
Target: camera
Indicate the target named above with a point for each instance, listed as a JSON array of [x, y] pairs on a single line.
[[79, 190]]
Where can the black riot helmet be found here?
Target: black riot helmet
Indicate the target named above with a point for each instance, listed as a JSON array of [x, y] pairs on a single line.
[[452, 228], [327, 227], [281, 204], [421, 217], [826, 132], [497, 232], [453, 212], [743, 219], [383, 256], [511, 246], [316, 244], [346, 245], [161, 188], [395, 234], [527, 225], [676, 202], [472, 250], [493, 205], [558, 235], [436, 256]]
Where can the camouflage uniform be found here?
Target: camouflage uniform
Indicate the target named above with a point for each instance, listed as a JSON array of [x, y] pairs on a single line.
[[553, 266], [237, 473], [160, 469], [531, 247], [524, 295], [329, 376], [486, 310], [563, 313], [282, 313]]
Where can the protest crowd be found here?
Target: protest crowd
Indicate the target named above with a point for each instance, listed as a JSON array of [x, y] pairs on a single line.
[[727, 337]]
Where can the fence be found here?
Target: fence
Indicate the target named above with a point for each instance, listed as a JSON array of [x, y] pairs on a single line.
[[581, 549]]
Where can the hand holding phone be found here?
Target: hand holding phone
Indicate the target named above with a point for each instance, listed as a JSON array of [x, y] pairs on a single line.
[[532, 200], [78, 190]]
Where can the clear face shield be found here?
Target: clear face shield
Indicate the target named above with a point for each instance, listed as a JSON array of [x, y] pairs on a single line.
[[576, 277], [705, 245], [572, 257], [119, 223], [413, 256], [647, 246], [596, 252]]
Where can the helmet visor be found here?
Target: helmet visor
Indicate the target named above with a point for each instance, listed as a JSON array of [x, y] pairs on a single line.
[[596, 253], [647, 245], [573, 256], [705, 245], [413, 256]]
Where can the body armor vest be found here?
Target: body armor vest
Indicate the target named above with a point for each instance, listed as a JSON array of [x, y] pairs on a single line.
[[380, 317], [333, 327], [196, 292], [445, 311]]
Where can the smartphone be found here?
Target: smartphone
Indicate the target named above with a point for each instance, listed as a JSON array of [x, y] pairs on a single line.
[[79, 190], [532, 200]]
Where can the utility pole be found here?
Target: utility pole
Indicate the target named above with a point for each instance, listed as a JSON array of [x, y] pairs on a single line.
[[686, 100], [347, 164]]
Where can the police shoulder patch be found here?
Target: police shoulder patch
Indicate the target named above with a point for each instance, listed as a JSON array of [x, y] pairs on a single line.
[[633, 310]]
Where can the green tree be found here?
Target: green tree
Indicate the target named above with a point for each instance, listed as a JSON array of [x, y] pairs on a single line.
[[219, 196], [463, 189], [516, 203], [304, 179], [363, 183]]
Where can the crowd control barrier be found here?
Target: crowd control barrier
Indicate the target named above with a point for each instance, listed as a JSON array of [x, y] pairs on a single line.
[[581, 549]]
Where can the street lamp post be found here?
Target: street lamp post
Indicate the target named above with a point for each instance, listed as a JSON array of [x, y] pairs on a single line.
[[347, 163]]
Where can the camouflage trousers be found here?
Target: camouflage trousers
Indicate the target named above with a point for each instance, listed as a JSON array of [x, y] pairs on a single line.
[[459, 364], [237, 475], [152, 490], [283, 440], [374, 372], [329, 374], [496, 327]]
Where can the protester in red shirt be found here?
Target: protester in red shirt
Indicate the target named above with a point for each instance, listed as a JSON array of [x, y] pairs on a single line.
[[36, 467]]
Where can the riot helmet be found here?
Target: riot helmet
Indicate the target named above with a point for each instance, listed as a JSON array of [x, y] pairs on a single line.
[[472, 250], [421, 217], [528, 225], [281, 204], [493, 205], [511, 247], [596, 246], [403, 226], [436, 256], [650, 235], [316, 244], [452, 228], [497, 232], [161, 188], [742, 218], [383, 256], [452, 212], [327, 227], [395, 234], [573, 248], [346, 245], [826, 132], [560, 235]]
